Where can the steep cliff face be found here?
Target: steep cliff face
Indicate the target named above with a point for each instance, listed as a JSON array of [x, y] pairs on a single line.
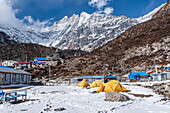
[[5, 39], [140, 45]]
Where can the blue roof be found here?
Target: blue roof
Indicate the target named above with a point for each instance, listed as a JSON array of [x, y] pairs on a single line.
[[111, 76], [97, 76], [139, 73], [41, 58], [38, 63], [1, 66], [31, 61], [168, 67], [12, 70]]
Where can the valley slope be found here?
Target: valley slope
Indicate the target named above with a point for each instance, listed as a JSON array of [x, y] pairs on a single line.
[[140, 46]]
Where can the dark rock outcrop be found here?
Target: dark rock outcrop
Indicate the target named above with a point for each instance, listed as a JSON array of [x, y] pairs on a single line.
[[30, 51], [5, 39], [21, 51]]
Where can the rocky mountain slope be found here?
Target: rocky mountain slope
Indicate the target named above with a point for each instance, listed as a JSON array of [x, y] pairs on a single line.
[[139, 46], [85, 32], [28, 51], [5, 39]]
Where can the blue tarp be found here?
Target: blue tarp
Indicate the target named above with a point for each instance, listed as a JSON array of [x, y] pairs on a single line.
[[136, 75]]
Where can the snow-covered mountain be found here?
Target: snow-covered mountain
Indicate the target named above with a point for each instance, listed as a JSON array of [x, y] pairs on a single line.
[[84, 31], [88, 32]]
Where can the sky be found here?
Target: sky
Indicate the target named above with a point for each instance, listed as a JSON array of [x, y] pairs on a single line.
[[43, 12]]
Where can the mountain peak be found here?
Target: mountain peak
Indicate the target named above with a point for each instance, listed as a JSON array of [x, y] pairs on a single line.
[[164, 12], [84, 14], [149, 15], [65, 19]]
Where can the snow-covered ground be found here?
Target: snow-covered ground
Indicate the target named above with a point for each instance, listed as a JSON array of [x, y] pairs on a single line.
[[80, 100]]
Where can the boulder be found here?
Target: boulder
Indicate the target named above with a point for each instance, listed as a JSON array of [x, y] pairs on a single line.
[[168, 84], [59, 109], [116, 97]]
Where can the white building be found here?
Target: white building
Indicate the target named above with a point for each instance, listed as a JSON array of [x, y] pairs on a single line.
[[9, 63]]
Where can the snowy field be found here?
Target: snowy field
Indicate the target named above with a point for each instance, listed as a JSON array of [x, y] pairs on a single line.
[[80, 100]]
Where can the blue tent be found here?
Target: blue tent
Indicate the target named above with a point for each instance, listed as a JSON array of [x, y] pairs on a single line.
[[137, 75]]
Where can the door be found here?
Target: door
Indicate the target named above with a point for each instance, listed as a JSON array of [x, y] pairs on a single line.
[[25, 78], [18, 78], [9, 78]]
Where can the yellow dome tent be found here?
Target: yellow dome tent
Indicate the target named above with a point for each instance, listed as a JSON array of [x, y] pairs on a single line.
[[112, 86], [83, 84], [96, 83]]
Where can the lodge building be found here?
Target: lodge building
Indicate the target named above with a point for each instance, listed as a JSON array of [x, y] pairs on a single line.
[[13, 76]]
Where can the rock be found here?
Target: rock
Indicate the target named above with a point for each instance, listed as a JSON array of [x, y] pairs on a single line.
[[168, 84], [162, 91], [156, 84], [24, 110], [116, 97], [59, 109]]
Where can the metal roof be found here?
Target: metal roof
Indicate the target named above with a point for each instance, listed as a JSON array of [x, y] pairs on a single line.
[[111, 76], [1, 66], [25, 62], [138, 74], [11, 70], [97, 76], [38, 63]]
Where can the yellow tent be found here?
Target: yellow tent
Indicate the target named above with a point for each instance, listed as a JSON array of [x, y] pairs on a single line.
[[83, 84], [112, 86], [96, 83]]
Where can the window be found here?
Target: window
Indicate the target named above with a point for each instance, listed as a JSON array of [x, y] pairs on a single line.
[[29, 78], [18, 78], [13, 77], [3, 77], [22, 77]]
